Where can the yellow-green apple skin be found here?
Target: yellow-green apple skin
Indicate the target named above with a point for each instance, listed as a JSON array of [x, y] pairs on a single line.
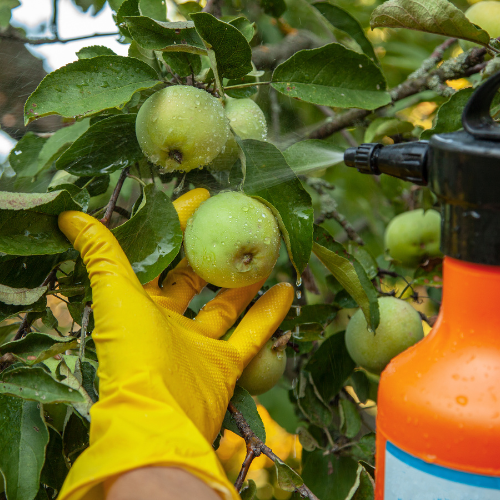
[[248, 122], [232, 240], [181, 128], [400, 327], [486, 15], [413, 237], [264, 371]]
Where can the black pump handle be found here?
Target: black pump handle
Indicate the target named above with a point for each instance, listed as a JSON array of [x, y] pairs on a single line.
[[476, 117]]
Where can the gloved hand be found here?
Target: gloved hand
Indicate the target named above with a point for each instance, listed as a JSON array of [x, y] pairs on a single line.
[[165, 380]]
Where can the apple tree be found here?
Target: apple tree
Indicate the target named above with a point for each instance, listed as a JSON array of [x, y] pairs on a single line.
[[295, 83]]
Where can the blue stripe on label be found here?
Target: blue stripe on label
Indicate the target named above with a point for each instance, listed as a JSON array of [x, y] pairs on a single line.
[[456, 476]]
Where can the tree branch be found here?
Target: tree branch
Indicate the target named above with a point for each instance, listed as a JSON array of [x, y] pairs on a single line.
[[15, 36], [114, 197], [464, 64], [257, 447]]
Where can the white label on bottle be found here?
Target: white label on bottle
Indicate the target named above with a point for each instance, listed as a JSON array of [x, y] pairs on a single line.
[[410, 478]]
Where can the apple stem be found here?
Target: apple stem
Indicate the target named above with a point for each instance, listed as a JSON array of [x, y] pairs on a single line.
[[282, 341]]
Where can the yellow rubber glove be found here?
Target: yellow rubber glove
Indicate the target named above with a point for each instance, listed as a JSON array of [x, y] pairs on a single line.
[[165, 380]]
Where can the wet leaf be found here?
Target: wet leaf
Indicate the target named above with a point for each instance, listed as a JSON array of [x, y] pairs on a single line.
[[364, 486], [350, 419], [246, 405], [152, 237], [246, 28], [311, 403], [232, 52], [174, 37], [332, 75], [23, 440], [94, 51], [36, 384], [343, 21], [183, 63], [272, 181], [156, 9], [21, 296], [288, 479], [349, 272], [432, 16], [24, 157], [89, 86], [108, 145]]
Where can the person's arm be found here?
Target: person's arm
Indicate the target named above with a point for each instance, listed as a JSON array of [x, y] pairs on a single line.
[[158, 483]]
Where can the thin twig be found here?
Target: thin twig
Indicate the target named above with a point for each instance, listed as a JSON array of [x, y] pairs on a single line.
[[114, 197], [85, 324], [53, 24], [256, 444], [245, 467], [16, 37], [24, 327]]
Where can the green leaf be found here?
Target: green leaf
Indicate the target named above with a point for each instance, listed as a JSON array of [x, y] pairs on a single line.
[[7, 330], [330, 366], [183, 63], [365, 485], [350, 420], [36, 347], [6, 7], [328, 476], [44, 203], [173, 37], [89, 86], [54, 470], [364, 257], [318, 316], [310, 155], [449, 115], [106, 146], [249, 492], [232, 52], [307, 440], [245, 91], [349, 272], [155, 9], [380, 127], [288, 479], [361, 385], [36, 384], [24, 157], [272, 181], [152, 237], [432, 16], [275, 8], [94, 51], [311, 403], [127, 8], [7, 311], [332, 76], [365, 450], [59, 142], [67, 377], [20, 296], [23, 439], [75, 437], [244, 26], [343, 21], [246, 405]]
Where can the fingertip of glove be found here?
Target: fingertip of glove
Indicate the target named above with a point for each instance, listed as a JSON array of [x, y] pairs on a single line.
[[187, 204], [71, 223]]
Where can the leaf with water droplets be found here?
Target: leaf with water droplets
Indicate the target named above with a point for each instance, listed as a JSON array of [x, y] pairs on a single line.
[[36, 384], [106, 146], [89, 86], [332, 75]]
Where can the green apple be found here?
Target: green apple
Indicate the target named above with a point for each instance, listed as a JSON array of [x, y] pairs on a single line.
[[400, 327], [232, 240], [265, 369], [181, 128], [413, 237], [486, 15], [248, 122]]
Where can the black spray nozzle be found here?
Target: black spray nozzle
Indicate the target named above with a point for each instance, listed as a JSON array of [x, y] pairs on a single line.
[[406, 161]]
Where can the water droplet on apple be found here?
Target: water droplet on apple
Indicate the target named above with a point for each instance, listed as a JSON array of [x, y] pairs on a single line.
[[267, 241], [245, 209]]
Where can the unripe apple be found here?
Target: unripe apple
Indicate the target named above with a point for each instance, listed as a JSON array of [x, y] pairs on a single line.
[[232, 240], [181, 128], [400, 327], [486, 15], [413, 237], [266, 368], [248, 122]]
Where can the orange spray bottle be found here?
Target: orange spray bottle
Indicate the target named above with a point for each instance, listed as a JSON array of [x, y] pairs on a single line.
[[438, 422]]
